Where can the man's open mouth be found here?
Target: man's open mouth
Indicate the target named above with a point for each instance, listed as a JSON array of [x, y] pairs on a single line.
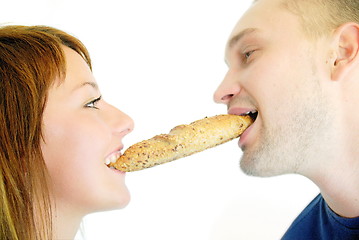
[[253, 114]]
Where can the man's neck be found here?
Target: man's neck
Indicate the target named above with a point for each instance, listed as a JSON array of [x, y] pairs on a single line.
[[340, 190]]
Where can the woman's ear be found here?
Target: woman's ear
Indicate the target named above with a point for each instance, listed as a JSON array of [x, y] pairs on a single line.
[[346, 49]]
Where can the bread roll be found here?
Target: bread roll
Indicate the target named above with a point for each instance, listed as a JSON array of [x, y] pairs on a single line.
[[182, 141]]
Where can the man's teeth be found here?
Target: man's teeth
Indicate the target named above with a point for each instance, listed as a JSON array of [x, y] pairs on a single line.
[[251, 112], [112, 158]]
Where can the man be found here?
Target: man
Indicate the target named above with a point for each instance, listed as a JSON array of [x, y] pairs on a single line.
[[295, 65]]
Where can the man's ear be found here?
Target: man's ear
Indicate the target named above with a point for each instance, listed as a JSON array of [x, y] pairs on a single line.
[[346, 50]]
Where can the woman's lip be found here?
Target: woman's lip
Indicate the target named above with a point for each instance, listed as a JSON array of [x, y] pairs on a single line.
[[112, 157], [117, 171]]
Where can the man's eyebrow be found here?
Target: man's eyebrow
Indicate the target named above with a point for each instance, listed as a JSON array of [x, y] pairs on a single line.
[[236, 38]]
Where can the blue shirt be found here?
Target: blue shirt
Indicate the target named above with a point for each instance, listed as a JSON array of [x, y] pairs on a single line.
[[318, 221]]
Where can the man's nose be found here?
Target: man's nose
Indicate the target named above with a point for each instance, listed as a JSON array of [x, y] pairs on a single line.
[[226, 90]]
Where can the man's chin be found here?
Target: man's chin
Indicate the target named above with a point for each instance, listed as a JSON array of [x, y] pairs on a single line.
[[257, 167]]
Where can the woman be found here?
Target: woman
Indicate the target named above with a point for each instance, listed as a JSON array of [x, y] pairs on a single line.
[[56, 134]]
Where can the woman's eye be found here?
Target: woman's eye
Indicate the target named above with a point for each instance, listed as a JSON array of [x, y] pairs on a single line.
[[248, 54], [93, 103]]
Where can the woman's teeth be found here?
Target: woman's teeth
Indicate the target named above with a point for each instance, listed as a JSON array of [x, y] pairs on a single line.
[[112, 158]]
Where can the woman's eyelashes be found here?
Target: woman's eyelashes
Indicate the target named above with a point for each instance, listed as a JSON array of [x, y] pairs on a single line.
[[93, 103], [247, 55]]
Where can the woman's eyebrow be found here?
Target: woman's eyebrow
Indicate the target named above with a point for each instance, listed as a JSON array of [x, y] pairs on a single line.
[[88, 83]]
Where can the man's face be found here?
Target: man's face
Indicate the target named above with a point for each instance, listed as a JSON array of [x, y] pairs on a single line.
[[274, 69]]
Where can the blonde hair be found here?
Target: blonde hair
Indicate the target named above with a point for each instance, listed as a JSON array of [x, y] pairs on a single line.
[[31, 58], [321, 17]]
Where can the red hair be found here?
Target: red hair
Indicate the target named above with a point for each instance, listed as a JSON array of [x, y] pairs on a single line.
[[31, 59]]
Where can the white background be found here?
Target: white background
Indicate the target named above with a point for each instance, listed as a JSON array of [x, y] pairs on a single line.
[[160, 62]]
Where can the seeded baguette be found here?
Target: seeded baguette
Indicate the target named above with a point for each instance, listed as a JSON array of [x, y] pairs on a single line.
[[182, 141]]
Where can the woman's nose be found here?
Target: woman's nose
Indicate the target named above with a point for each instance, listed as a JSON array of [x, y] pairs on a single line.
[[128, 125], [226, 90], [121, 123]]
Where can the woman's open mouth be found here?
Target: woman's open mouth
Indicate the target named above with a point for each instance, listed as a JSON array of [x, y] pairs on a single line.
[[112, 158]]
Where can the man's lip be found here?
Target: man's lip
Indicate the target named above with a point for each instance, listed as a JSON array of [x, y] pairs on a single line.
[[244, 136], [243, 111], [240, 111]]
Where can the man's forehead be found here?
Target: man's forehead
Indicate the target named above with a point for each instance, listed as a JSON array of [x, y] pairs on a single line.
[[247, 24], [262, 14], [264, 20]]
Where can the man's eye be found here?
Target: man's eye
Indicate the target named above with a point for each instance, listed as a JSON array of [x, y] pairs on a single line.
[[93, 103]]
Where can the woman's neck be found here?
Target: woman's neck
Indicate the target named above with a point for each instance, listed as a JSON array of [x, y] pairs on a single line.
[[66, 223]]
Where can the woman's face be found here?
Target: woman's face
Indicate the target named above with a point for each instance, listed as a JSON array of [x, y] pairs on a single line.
[[80, 132]]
